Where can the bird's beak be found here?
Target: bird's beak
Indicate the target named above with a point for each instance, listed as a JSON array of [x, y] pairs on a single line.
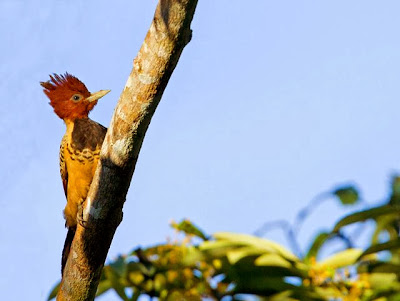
[[97, 95]]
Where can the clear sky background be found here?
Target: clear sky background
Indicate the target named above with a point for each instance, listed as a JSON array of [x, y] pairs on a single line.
[[271, 103]]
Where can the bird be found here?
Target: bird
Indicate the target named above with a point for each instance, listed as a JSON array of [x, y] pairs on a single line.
[[80, 146]]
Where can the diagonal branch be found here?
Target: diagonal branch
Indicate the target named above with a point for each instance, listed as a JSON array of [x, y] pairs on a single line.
[[168, 35]]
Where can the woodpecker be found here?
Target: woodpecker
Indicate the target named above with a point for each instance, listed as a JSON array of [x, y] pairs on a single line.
[[80, 146]]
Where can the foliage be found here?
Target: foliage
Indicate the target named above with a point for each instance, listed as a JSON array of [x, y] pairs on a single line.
[[232, 266]]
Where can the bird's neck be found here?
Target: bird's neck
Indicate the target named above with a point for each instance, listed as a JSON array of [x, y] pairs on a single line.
[[70, 123]]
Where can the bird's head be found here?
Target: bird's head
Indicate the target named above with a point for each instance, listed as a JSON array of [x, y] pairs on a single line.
[[69, 97]]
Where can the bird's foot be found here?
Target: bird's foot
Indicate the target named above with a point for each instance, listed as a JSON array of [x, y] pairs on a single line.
[[81, 221], [80, 218]]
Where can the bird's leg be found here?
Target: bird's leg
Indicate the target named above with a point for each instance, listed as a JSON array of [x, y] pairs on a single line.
[[79, 216]]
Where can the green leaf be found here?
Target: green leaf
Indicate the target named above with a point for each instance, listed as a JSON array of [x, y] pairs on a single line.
[[392, 296], [219, 248], [378, 267], [146, 269], [329, 292], [341, 259], [307, 295], [272, 260], [319, 241], [103, 287], [54, 291], [264, 244], [119, 266], [364, 215], [220, 244], [348, 195], [192, 256], [261, 285], [188, 227], [386, 224], [273, 286], [112, 276], [236, 255], [383, 281], [283, 296], [386, 246]]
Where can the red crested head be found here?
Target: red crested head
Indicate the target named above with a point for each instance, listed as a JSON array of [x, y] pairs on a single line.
[[69, 97]]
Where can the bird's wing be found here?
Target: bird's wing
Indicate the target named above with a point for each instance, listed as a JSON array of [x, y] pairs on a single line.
[[63, 166]]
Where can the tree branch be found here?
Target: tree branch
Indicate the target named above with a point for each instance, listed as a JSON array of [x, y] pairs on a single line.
[[168, 35]]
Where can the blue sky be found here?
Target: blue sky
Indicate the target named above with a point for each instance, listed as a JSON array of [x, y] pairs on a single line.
[[271, 103]]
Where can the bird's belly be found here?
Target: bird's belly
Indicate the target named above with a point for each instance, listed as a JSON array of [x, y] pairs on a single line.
[[81, 169]]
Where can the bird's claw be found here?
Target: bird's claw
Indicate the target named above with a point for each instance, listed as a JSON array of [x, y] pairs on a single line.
[[80, 219], [82, 222]]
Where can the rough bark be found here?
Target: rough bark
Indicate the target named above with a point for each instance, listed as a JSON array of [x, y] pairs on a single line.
[[168, 34]]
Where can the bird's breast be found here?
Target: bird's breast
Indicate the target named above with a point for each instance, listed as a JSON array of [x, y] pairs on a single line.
[[85, 156]]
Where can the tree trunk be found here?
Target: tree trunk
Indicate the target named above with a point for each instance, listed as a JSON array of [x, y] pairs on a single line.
[[168, 35]]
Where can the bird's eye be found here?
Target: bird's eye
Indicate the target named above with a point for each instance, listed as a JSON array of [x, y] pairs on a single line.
[[76, 97]]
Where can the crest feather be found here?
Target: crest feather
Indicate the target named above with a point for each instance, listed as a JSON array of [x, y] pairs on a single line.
[[66, 81]]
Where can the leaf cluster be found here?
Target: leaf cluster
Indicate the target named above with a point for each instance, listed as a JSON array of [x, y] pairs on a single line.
[[233, 266]]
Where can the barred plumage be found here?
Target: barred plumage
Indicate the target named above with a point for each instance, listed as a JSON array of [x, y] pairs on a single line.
[[80, 146]]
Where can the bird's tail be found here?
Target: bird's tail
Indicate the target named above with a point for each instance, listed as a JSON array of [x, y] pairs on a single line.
[[67, 247]]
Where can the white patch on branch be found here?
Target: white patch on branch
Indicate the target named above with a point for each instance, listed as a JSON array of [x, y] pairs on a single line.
[[145, 65], [122, 115], [152, 28], [163, 52], [90, 210], [120, 147], [87, 208], [129, 82], [144, 106], [145, 47], [95, 212], [147, 79]]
